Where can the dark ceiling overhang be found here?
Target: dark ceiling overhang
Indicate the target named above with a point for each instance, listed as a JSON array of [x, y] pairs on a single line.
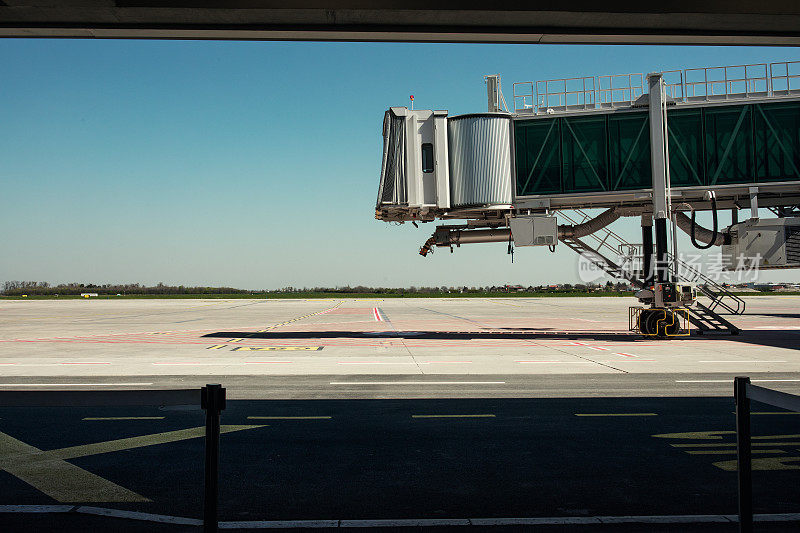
[[731, 22]]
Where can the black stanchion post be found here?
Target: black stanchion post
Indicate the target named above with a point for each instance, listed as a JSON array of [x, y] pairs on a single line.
[[212, 400], [743, 455]]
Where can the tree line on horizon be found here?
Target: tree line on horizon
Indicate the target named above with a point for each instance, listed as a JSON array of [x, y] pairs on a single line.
[[43, 288]]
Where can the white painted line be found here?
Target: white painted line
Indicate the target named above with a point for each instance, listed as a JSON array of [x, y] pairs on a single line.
[[374, 363], [412, 522], [731, 380], [134, 515], [562, 362], [85, 363], [666, 519], [445, 362], [36, 508], [566, 520], [417, 382], [73, 384], [754, 361], [279, 524], [192, 363], [377, 314], [703, 381]]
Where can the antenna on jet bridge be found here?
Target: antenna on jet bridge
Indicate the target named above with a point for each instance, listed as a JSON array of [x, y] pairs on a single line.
[[494, 93]]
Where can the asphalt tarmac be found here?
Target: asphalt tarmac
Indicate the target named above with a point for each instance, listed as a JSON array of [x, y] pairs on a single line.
[[355, 411]]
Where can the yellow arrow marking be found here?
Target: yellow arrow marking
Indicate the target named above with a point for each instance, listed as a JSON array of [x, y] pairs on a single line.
[[702, 435], [766, 463], [49, 472]]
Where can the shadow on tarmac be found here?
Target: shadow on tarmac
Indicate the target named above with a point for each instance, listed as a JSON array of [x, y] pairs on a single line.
[[424, 459], [788, 339]]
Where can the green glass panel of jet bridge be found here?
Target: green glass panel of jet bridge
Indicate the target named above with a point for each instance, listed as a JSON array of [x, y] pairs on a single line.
[[777, 141], [536, 147], [629, 151], [686, 161], [583, 153], [729, 144]]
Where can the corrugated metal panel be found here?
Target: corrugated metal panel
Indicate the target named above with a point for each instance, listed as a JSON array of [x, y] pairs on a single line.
[[480, 160], [393, 189]]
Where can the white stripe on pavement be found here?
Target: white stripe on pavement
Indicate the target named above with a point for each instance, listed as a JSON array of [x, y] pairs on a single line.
[[409, 522]]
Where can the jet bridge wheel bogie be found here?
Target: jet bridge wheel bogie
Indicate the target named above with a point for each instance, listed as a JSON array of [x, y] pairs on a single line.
[[660, 323]]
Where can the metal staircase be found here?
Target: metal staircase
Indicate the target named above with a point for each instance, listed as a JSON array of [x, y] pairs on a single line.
[[630, 255], [706, 319], [703, 317], [719, 295]]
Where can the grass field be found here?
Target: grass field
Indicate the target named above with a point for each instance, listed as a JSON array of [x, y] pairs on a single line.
[[335, 295]]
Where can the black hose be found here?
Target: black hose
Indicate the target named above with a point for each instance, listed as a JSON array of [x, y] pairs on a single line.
[[715, 225]]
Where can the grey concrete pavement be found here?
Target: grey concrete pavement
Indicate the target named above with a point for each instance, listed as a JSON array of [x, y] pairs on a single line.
[[566, 337]]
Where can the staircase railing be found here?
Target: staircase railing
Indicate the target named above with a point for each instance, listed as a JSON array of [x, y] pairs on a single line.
[[606, 240]]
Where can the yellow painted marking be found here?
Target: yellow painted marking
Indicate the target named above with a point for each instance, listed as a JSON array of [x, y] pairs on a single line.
[[58, 479], [289, 417], [298, 318], [698, 435], [758, 442], [505, 303], [276, 348], [452, 416], [216, 347], [731, 444], [763, 463], [49, 471], [719, 452], [207, 305], [235, 340], [616, 414], [92, 418]]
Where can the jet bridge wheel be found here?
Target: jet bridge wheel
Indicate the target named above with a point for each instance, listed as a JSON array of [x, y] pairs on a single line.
[[659, 322]]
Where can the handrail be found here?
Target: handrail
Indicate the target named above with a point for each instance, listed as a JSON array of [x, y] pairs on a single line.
[[696, 274], [743, 392], [210, 398], [613, 243], [692, 84]]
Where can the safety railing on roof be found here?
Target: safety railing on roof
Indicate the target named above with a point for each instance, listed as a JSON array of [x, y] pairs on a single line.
[[734, 82]]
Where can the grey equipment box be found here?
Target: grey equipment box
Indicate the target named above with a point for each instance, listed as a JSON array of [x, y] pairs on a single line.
[[536, 230], [763, 243]]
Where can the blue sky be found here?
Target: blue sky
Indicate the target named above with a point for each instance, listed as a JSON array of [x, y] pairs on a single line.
[[254, 164]]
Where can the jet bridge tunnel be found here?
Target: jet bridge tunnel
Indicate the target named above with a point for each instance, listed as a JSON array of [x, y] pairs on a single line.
[[591, 148], [696, 140]]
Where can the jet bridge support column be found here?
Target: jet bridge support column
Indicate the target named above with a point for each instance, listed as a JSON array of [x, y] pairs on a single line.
[[659, 156], [647, 249]]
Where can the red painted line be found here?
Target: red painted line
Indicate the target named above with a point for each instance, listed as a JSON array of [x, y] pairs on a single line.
[[378, 317], [623, 354]]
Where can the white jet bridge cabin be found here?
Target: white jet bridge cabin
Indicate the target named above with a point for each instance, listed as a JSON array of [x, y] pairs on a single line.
[[655, 147]]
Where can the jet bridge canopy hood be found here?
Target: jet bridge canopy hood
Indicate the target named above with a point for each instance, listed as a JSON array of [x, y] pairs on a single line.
[[433, 165]]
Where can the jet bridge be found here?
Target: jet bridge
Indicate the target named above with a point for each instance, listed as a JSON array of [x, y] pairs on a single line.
[[655, 146]]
